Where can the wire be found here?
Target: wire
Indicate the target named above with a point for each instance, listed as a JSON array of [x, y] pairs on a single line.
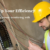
[[23, 31], [12, 35], [19, 28], [26, 35]]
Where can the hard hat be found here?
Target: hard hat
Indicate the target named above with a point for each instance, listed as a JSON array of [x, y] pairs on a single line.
[[41, 10]]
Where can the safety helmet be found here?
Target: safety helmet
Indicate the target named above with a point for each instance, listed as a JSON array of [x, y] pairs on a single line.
[[41, 10]]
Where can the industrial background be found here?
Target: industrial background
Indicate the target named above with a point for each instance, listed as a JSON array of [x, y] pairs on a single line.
[[15, 33]]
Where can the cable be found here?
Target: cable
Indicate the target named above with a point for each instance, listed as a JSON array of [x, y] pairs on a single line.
[[13, 36], [26, 34]]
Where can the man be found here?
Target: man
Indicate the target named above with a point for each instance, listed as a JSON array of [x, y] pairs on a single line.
[[41, 14]]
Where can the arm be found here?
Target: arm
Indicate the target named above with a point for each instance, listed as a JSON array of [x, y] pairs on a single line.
[[43, 46], [33, 46]]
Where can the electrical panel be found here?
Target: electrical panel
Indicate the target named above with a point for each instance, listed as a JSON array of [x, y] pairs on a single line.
[[4, 36]]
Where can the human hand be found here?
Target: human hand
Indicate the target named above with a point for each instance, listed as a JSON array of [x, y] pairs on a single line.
[[33, 46]]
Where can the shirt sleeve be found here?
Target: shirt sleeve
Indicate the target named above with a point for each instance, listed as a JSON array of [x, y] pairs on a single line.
[[44, 41]]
